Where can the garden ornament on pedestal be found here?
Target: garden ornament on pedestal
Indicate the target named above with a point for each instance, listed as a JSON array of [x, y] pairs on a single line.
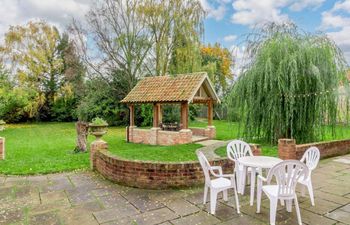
[[98, 128]]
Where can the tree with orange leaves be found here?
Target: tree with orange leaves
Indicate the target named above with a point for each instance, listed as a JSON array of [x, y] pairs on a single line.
[[217, 62]]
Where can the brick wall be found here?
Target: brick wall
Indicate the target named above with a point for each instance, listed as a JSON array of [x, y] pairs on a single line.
[[197, 131], [156, 136], [288, 149], [209, 131], [327, 149], [2, 148], [150, 175], [94, 148]]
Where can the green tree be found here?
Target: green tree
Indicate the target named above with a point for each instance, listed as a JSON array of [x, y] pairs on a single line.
[[289, 88], [13, 100], [40, 61], [73, 88], [176, 27]]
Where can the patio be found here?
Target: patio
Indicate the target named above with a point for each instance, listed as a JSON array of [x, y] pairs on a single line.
[[86, 198]]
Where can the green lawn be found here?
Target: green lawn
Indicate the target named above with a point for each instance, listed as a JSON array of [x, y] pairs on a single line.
[[47, 147], [41, 148]]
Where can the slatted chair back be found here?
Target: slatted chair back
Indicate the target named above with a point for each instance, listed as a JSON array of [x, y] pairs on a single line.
[[287, 174], [237, 149], [311, 158]]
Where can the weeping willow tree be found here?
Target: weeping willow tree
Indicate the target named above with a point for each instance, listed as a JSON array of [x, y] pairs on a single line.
[[289, 86]]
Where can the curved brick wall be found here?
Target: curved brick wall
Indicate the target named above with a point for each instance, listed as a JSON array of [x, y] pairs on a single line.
[[152, 175]]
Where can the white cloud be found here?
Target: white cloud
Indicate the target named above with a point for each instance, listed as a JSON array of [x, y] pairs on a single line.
[[336, 23], [255, 12], [57, 12], [215, 9], [302, 4], [252, 12], [230, 38]]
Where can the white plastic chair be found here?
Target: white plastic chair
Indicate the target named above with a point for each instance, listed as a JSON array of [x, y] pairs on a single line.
[[287, 174], [221, 183], [235, 150], [311, 158]]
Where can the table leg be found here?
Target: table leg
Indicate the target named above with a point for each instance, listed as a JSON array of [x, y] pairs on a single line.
[[252, 185]]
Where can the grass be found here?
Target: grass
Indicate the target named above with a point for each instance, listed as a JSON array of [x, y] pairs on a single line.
[[48, 147], [42, 148]]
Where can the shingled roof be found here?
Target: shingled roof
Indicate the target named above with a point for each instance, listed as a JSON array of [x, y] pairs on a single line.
[[179, 88]]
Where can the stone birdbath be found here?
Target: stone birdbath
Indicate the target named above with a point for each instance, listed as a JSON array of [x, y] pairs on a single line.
[[98, 128]]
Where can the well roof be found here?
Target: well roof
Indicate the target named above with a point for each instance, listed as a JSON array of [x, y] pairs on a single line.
[[179, 88]]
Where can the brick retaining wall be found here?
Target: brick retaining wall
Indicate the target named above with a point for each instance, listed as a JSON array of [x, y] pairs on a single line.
[[150, 175], [2, 148], [154, 175], [288, 149]]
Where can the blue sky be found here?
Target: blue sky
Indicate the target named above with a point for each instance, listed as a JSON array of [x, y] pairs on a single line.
[[226, 20], [229, 20]]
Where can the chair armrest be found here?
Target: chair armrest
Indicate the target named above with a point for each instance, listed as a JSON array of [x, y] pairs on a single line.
[[261, 178], [217, 168], [212, 168]]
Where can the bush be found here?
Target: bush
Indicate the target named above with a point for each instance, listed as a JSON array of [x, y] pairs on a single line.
[[100, 101], [99, 121]]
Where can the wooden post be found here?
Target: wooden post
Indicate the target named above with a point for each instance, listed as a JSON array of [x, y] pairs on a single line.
[[160, 113], [132, 116], [155, 115], [210, 112], [184, 115]]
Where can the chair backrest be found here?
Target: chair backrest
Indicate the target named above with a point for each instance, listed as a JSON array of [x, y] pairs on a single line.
[[237, 149], [311, 158], [287, 174], [205, 166]]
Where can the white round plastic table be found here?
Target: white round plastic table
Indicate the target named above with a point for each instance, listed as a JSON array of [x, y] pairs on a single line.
[[256, 163]]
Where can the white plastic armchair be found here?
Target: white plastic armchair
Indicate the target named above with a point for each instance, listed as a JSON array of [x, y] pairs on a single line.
[[220, 183], [311, 158], [235, 150], [287, 174]]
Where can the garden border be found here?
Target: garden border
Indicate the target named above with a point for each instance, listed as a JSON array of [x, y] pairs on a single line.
[[149, 174]]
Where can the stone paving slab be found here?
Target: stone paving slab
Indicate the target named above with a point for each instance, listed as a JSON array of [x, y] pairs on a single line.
[[85, 198]]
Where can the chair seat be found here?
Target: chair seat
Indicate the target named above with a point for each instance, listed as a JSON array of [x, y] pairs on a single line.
[[271, 190], [221, 183]]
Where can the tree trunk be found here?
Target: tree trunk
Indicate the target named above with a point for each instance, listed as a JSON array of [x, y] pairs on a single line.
[[82, 133]]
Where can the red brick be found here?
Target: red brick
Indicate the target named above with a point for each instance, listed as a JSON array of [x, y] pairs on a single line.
[[148, 174]]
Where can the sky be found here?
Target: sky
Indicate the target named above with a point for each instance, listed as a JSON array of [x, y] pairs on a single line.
[[227, 21]]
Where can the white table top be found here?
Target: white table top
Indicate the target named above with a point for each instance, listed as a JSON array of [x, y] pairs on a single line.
[[264, 162]]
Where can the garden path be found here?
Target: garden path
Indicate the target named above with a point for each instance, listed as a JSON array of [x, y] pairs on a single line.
[[210, 146], [86, 198]]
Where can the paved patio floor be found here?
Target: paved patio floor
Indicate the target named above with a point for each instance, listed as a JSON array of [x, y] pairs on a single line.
[[85, 198]]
